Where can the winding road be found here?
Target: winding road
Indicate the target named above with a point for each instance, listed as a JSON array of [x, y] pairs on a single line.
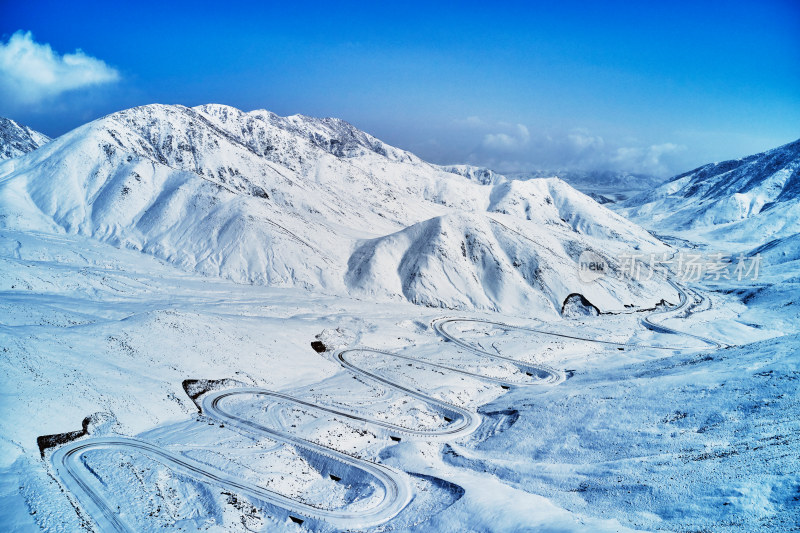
[[68, 460], [647, 321], [554, 375]]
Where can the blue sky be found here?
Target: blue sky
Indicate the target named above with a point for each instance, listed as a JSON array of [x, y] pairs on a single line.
[[658, 87]]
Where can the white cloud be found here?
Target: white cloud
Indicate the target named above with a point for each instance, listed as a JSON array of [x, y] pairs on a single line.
[[31, 72], [515, 139], [470, 122], [513, 147], [651, 159], [581, 140]]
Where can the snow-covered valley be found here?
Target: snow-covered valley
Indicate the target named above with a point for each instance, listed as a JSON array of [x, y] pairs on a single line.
[[283, 324]]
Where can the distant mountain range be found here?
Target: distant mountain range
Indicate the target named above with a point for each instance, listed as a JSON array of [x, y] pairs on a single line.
[[605, 186], [317, 203], [746, 201]]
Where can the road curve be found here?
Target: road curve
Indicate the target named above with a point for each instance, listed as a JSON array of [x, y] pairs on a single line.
[[647, 321], [460, 422], [70, 468], [556, 376], [544, 374], [396, 488]]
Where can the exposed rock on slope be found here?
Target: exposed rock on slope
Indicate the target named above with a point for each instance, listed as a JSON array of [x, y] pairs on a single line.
[[17, 140], [576, 306], [745, 200]]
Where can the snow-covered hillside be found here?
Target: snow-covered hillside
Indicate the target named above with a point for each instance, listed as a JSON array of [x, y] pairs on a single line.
[[285, 201], [638, 438], [482, 175], [746, 201], [608, 184], [477, 262], [781, 250], [16, 139]]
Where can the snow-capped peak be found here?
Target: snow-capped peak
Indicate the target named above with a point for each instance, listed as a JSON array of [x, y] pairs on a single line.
[[287, 201]]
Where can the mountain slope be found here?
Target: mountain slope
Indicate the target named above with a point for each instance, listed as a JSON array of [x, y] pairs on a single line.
[[745, 201], [16, 139], [551, 201], [609, 184], [285, 201], [496, 263], [480, 175], [781, 250]]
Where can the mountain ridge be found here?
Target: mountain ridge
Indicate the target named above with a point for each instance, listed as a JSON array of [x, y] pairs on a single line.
[[17, 139], [743, 201], [612, 185], [285, 201]]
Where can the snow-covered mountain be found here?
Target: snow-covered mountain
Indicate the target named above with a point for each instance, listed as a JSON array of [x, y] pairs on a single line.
[[480, 421], [747, 200], [474, 261], [606, 186], [481, 175], [300, 201], [16, 139]]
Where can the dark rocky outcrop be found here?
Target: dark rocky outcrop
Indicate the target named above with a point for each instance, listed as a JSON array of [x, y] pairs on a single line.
[[576, 305]]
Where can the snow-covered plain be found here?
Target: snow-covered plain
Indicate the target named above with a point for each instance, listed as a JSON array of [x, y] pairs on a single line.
[[604, 424]]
